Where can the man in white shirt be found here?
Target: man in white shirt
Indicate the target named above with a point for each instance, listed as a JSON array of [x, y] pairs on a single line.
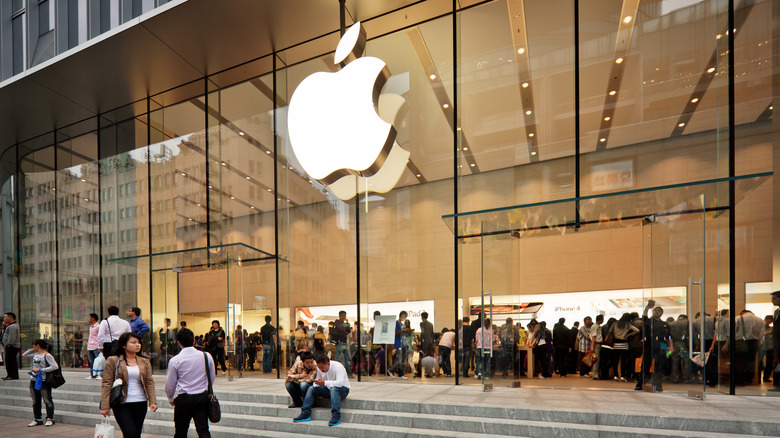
[[187, 371], [446, 342], [110, 330], [331, 382]]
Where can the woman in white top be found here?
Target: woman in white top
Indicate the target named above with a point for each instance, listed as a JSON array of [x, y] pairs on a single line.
[[137, 386], [44, 363]]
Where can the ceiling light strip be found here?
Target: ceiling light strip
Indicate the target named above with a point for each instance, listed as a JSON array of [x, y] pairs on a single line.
[[517, 22], [620, 58], [218, 191], [711, 68], [440, 92]]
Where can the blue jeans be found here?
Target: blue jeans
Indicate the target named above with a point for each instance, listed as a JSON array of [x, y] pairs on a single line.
[[335, 394], [509, 356], [92, 354], [483, 361], [342, 349], [465, 363], [399, 364], [297, 391], [268, 353], [446, 365]]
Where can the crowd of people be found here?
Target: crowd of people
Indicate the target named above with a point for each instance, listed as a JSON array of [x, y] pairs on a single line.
[[641, 349]]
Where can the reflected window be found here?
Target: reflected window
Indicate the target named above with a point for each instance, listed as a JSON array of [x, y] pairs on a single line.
[[17, 25], [45, 17]]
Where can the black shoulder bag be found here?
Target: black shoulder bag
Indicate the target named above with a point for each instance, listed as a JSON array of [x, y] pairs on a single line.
[[117, 395], [54, 378], [215, 413]]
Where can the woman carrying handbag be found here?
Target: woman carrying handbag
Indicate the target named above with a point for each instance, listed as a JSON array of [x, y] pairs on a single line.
[[131, 374]]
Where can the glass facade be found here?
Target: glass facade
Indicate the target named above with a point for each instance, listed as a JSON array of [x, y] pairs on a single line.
[[566, 160]]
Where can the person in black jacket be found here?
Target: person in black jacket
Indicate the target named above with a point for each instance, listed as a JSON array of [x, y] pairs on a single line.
[[468, 340], [562, 344], [215, 345]]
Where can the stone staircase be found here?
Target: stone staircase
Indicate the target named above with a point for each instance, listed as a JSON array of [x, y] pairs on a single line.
[[247, 414]]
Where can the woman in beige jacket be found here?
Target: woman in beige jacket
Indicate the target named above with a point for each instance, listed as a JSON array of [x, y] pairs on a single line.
[[137, 386]]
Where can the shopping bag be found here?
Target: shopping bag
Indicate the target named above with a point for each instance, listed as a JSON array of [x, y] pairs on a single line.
[[38, 380], [104, 429], [98, 364], [700, 360]]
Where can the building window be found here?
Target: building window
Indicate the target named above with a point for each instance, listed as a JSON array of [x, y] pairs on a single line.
[[45, 17], [17, 25]]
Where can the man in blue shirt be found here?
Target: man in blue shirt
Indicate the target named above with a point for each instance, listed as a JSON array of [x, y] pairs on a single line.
[[399, 364], [137, 325]]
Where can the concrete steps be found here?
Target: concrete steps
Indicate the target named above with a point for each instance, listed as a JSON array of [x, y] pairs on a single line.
[[255, 414]]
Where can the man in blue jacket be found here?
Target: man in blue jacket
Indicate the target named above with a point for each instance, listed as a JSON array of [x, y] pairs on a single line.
[[137, 325]]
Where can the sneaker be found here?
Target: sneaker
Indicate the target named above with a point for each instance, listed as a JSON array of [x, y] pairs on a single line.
[[334, 421], [402, 378], [49, 422], [623, 379], [35, 423], [301, 418], [223, 373], [543, 378], [616, 378]]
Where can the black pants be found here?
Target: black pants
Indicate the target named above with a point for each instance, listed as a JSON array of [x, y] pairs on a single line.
[[769, 367], [191, 407], [542, 357], [130, 418], [560, 360], [12, 362], [219, 355], [251, 358]]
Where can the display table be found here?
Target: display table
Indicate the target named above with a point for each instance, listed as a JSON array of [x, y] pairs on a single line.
[[530, 358]]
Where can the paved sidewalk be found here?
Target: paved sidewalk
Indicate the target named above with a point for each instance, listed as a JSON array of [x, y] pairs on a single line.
[[17, 427]]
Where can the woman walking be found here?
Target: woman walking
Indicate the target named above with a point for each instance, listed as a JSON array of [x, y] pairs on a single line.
[[43, 364], [622, 330], [137, 386]]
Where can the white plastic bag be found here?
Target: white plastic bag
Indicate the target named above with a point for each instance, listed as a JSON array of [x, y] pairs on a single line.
[[104, 429], [98, 364], [699, 360]]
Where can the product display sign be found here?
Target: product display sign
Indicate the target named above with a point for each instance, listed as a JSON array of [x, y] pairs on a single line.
[[384, 329]]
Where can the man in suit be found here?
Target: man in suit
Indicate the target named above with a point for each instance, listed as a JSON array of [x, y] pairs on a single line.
[[776, 339]]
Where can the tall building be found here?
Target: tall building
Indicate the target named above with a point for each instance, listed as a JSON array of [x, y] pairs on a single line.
[[566, 159]]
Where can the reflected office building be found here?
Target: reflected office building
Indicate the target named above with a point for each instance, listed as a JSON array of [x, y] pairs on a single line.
[[547, 159]]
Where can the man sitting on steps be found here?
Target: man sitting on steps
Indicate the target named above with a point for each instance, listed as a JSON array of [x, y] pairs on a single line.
[[331, 382]]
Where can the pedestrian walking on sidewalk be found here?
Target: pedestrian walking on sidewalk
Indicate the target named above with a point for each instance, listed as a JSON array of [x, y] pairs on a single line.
[[137, 386], [187, 372], [43, 363]]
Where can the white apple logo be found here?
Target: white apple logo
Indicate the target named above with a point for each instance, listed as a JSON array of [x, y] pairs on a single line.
[[334, 128]]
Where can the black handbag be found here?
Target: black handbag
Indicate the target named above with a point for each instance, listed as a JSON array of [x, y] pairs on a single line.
[[116, 396], [55, 378], [215, 413]]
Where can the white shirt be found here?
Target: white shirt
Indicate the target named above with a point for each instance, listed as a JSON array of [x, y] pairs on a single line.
[[135, 392], [336, 375], [187, 370], [111, 329]]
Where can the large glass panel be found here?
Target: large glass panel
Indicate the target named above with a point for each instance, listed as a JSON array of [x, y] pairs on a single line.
[[77, 239], [37, 257]]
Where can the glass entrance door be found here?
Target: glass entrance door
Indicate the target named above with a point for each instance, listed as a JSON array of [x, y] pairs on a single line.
[[676, 311]]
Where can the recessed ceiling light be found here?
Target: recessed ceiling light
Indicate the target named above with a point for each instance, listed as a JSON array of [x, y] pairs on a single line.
[[189, 218], [521, 50], [607, 119], [602, 139], [772, 107], [83, 180], [472, 164], [211, 187], [525, 84], [618, 61], [248, 177], [528, 113], [86, 199], [533, 152], [432, 77], [224, 163], [198, 204], [418, 175], [241, 133], [232, 197], [269, 190], [268, 152], [465, 149], [627, 19], [252, 207], [711, 69], [290, 167], [459, 129], [445, 106], [612, 93], [531, 134], [694, 100], [183, 174], [681, 124]]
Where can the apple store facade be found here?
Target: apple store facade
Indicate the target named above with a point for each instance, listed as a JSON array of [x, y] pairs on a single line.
[[559, 159]]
